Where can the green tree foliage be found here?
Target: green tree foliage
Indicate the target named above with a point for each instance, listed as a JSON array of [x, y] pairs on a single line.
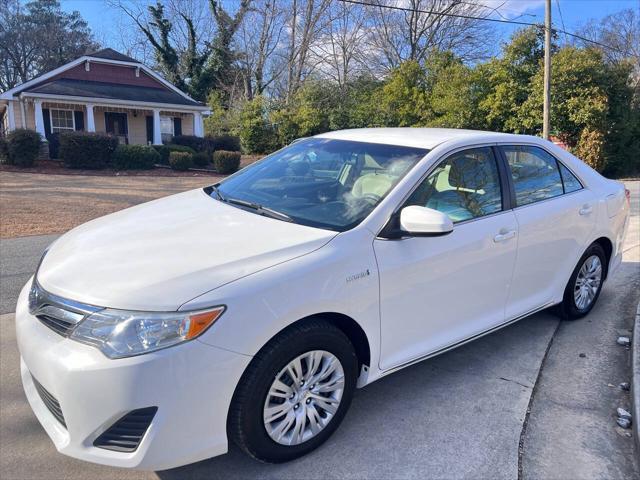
[[591, 107], [404, 99], [453, 93], [509, 79], [256, 134], [594, 102]]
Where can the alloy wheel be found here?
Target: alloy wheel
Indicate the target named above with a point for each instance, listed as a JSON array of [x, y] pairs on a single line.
[[588, 282], [304, 397]]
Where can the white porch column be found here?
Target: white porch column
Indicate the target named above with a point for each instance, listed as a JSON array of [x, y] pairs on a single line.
[[198, 127], [23, 114], [39, 119], [91, 123], [11, 116], [157, 135]]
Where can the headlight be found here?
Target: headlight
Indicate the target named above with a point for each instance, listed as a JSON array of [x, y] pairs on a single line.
[[120, 333]]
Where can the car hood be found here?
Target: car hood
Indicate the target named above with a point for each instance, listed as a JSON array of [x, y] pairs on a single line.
[[159, 255]]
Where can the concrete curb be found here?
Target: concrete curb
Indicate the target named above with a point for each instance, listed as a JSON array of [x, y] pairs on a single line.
[[635, 380]]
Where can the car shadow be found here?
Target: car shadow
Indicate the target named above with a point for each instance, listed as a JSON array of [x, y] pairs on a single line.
[[456, 415]]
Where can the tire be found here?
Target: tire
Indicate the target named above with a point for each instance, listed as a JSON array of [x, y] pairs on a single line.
[[247, 422], [570, 308]]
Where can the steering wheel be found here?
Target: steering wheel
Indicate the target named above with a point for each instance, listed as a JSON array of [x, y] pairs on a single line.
[[371, 197]]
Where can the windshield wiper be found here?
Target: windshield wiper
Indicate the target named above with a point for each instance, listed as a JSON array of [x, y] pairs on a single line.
[[218, 193], [266, 211]]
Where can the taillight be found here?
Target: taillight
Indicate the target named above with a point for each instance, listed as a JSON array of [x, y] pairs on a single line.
[[627, 193]]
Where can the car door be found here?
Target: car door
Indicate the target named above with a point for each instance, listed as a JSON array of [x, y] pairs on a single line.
[[437, 291], [555, 216]]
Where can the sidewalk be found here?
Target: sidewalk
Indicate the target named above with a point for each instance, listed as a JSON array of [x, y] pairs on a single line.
[[635, 382]]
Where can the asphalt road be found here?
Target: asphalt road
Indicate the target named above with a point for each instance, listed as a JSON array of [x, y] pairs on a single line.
[[460, 415], [18, 259]]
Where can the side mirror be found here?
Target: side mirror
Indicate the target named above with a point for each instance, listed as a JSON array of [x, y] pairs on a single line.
[[424, 222]]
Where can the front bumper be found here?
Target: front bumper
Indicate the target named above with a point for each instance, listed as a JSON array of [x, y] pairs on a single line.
[[191, 384]]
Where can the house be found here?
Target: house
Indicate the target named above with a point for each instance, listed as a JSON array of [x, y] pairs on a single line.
[[105, 92]]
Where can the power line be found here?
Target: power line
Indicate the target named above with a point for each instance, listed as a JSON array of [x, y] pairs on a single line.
[[498, 10], [433, 12], [561, 20], [485, 19]]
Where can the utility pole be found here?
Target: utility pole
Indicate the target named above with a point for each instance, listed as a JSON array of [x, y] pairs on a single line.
[[547, 71]]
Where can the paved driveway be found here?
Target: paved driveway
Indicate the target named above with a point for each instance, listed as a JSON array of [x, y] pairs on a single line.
[[460, 415]]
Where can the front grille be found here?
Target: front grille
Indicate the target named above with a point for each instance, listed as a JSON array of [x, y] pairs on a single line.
[[50, 402], [59, 314], [126, 434], [56, 324]]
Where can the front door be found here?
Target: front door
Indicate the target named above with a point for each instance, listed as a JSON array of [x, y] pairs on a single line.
[[437, 291], [116, 124]]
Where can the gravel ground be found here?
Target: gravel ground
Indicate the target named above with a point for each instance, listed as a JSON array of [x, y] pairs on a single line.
[[38, 204]]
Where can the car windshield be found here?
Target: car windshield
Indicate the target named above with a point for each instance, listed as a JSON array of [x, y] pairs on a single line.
[[319, 182]]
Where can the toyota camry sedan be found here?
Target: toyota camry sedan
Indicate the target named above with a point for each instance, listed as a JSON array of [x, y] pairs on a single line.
[[249, 310]]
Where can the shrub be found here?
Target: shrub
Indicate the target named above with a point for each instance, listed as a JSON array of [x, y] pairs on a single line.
[[23, 147], [181, 160], [198, 144], [201, 159], [230, 143], [590, 149], [256, 134], [225, 161], [54, 145], [87, 150], [165, 150], [135, 157], [4, 150]]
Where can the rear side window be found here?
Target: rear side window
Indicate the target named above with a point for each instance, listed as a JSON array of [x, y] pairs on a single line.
[[571, 183], [534, 172]]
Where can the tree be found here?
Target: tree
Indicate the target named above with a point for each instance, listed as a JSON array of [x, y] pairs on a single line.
[[190, 62], [256, 133], [37, 38], [260, 36], [509, 80], [454, 93], [220, 65], [619, 31], [338, 50], [404, 100], [307, 20], [411, 34]]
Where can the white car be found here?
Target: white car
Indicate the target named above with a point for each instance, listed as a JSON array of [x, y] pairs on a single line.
[[250, 310]]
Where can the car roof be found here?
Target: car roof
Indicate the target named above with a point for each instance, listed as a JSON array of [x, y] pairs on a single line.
[[417, 137]]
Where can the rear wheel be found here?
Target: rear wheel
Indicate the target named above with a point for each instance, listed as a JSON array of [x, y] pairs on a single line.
[[585, 284], [294, 393]]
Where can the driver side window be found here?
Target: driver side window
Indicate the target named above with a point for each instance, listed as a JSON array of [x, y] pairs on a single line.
[[465, 185]]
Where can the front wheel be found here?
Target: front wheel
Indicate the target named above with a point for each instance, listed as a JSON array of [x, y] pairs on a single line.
[[294, 393], [585, 284]]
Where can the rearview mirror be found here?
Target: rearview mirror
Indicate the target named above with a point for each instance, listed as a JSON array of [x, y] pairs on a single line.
[[424, 222]]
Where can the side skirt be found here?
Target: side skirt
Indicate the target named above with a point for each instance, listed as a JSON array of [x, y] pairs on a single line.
[[384, 373]]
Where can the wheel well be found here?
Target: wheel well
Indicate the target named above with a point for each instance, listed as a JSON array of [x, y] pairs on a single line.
[[352, 330], [607, 246]]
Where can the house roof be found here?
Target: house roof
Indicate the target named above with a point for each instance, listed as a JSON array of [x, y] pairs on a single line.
[[113, 91], [111, 54], [92, 89]]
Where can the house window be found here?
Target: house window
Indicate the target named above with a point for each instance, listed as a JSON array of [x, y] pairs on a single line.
[[166, 128], [62, 120]]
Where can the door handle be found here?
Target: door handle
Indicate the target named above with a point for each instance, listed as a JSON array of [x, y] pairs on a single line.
[[586, 209], [504, 235]]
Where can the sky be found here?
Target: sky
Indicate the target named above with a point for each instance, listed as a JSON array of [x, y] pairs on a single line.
[[571, 13]]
